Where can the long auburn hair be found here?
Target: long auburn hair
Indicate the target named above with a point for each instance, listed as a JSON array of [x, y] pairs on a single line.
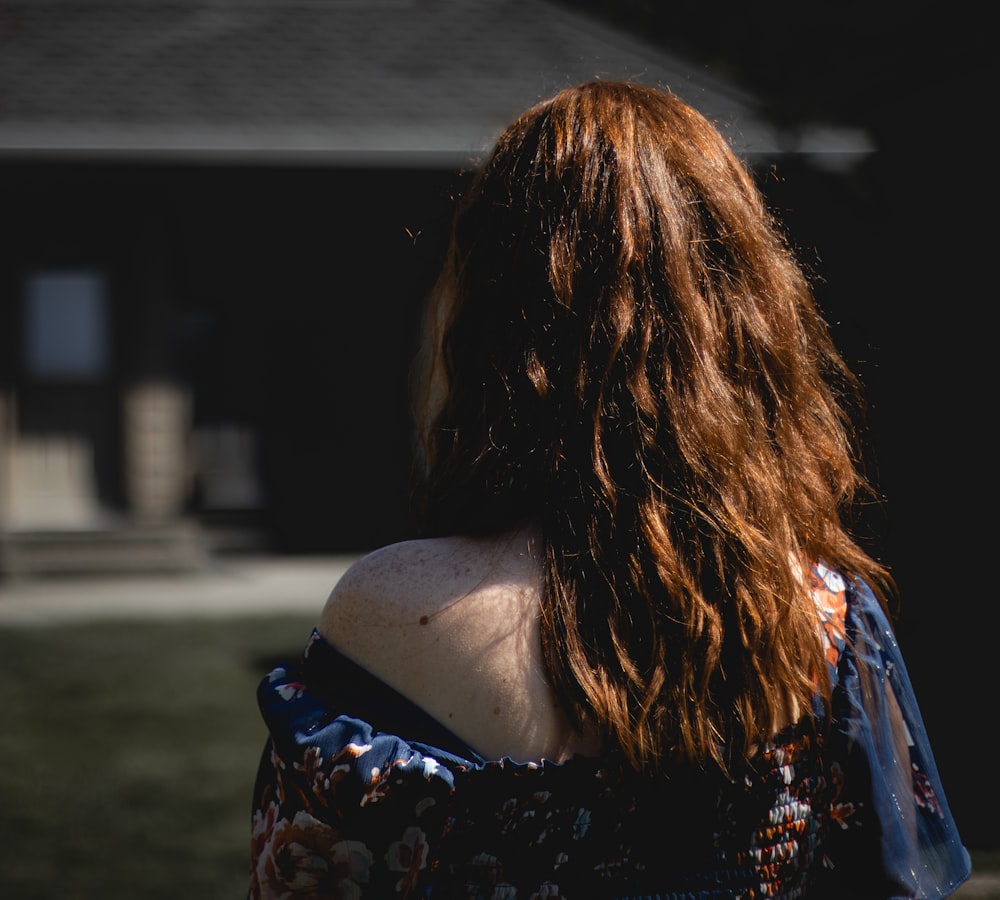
[[626, 352]]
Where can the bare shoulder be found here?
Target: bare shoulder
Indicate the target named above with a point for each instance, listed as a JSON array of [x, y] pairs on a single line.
[[407, 599], [396, 585], [453, 624]]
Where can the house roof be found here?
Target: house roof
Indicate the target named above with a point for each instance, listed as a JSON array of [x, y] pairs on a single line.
[[340, 81]]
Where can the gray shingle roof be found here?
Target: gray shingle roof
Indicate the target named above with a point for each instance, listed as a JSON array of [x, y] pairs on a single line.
[[343, 80]]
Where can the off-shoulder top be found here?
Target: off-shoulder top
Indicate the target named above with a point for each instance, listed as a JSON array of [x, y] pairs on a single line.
[[362, 794]]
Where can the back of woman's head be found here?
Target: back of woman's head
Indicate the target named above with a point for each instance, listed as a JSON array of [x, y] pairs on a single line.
[[629, 354]]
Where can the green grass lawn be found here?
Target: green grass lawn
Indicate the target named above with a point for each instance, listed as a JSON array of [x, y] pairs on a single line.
[[128, 752], [127, 756]]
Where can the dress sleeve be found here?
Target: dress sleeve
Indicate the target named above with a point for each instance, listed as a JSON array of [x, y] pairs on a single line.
[[341, 808], [893, 835]]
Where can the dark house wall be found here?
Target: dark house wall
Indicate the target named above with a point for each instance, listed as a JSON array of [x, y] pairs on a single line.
[[285, 299], [305, 289]]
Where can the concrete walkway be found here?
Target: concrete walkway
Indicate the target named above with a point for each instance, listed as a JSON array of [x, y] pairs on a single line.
[[228, 586]]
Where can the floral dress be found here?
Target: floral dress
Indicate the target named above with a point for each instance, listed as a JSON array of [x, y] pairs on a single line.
[[361, 794]]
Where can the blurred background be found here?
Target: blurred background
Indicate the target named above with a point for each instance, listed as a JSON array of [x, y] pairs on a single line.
[[219, 221]]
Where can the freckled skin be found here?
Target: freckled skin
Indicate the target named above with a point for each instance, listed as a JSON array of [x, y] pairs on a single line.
[[452, 623]]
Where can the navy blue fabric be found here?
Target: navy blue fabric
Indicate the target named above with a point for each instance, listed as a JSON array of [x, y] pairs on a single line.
[[890, 773]]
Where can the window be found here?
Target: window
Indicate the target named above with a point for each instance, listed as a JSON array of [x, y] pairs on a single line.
[[65, 325]]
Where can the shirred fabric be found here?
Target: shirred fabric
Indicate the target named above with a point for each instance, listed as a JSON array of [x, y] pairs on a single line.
[[361, 794]]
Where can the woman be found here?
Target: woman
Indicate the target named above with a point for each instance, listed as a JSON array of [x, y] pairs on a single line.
[[637, 652]]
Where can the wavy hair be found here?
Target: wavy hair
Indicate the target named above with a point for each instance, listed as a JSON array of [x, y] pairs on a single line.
[[627, 353]]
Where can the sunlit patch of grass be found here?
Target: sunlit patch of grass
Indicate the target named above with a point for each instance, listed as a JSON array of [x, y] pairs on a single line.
[[127, 755]]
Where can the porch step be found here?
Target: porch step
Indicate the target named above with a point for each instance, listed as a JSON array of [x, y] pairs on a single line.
[[176, 547]]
